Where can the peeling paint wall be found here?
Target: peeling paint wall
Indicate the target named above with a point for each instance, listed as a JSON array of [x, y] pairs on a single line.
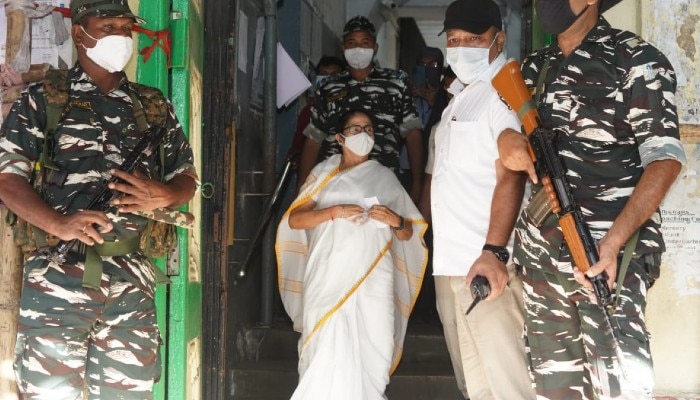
[[673, 312]]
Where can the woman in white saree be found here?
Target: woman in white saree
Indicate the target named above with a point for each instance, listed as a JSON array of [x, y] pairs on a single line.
[[351, 262]]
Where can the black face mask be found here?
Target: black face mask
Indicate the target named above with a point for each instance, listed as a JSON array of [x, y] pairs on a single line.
[[432, 76], [556, 15]]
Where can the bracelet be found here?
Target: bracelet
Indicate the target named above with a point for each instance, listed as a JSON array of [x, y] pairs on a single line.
[[401, 225], [342, 214]]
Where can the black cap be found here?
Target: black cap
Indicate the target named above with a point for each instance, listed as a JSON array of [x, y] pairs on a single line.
[[359, 23], [474, 16], [102, 8], [605, 5]]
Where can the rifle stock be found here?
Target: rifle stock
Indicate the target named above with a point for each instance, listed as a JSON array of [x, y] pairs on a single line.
[[510, 85]]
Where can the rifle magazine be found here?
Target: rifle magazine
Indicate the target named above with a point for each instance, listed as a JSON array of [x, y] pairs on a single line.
[[539, 208]]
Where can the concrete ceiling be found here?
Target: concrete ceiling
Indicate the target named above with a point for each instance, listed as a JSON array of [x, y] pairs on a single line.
[[429, 19]]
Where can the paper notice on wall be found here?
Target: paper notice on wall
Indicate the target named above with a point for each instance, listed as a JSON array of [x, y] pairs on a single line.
[[48, 45], [291, 81]]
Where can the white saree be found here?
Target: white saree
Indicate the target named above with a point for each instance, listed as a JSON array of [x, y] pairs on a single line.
[[350, 286]]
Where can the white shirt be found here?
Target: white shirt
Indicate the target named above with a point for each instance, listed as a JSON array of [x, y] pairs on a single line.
[[464, 172]]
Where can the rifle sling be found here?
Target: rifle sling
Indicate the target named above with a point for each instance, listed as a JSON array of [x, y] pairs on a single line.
[[93, 258], [624, 264]]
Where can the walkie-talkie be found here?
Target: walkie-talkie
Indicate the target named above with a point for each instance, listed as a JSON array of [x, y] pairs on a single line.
[[480, 290]]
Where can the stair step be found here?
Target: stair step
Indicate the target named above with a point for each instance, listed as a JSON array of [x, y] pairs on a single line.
[[264, 380], [425, 372], [272, 380], [423, 343]]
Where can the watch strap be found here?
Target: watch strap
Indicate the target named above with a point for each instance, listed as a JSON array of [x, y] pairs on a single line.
[[501, 252]]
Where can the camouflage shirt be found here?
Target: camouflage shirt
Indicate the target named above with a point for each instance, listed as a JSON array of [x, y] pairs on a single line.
[[383, 94], [611, 104], [95, 134]]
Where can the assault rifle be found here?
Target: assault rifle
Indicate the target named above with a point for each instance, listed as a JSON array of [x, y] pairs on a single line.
[[145, 148], [510, 85]]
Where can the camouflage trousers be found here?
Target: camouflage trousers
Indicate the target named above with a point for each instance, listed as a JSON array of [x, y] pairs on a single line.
[[572, 353], [73, 340]]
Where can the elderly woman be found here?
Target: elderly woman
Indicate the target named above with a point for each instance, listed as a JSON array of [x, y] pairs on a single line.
[[351, 261]]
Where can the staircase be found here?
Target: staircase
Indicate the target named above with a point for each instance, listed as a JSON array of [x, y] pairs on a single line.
[[425, 372]]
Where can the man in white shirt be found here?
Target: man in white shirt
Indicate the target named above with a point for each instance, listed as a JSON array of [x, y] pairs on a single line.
[[474, 203]]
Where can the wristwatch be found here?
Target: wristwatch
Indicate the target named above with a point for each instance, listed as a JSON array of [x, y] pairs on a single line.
[[402, 224], [501, 252]]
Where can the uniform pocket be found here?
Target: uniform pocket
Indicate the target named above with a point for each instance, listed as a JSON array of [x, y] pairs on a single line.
[[592, 114]]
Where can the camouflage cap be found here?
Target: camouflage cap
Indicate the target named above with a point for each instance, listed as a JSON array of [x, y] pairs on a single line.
[[359, 23], [102, 8]]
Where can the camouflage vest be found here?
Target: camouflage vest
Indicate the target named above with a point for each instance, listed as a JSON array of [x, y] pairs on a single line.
[[150, 107]]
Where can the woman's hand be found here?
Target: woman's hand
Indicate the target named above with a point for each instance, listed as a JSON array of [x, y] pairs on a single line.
[[346, 211], [401, 228], [386, 215]]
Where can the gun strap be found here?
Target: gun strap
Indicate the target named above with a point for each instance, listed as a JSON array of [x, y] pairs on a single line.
[[624, 264], [525, 108], [139, 115], [540, 81], [93, 258]]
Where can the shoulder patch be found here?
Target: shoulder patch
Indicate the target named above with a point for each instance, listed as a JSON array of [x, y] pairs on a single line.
[[628, 39], [56, 86], [155, 105], [632, 43]]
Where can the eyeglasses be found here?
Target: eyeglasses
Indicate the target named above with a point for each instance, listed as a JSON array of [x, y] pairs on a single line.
[[432, 64], [355, 129]]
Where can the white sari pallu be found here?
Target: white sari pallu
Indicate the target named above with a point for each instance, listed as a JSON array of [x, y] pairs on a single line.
[[350, 285]]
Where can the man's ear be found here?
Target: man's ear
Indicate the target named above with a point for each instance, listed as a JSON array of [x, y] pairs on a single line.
[[77, 34], [501, 40]]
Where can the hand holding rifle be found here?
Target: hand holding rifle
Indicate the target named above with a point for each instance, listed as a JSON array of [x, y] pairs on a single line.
[[544, 163]]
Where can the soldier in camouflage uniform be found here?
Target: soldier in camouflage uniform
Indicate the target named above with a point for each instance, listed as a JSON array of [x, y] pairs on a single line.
[[382, 92], [609, 97], [80, 335]]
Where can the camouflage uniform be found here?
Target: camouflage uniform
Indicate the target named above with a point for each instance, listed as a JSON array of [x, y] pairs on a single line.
[[384, 94], [68, 334], [611, 103]]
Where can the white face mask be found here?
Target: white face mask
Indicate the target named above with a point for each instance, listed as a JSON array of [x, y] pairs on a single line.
[[360, 144], [469, 63], [111, 52], [359, 57]]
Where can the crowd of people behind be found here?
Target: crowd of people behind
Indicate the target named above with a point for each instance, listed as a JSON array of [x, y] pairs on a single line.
[[376, 146]]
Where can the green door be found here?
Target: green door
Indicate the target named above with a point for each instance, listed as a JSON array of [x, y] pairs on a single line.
[[180, 303]]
